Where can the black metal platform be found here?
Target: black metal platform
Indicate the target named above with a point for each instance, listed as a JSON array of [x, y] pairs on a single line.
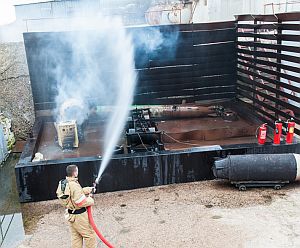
[[38, 181]]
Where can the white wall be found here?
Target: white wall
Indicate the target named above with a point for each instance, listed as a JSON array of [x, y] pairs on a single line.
[[224, 10], [206, 11]]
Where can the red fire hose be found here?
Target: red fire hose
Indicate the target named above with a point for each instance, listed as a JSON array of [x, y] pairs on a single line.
[[91, 220]]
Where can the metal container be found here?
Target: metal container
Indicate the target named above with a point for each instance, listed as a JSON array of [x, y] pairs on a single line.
[[259, 167]]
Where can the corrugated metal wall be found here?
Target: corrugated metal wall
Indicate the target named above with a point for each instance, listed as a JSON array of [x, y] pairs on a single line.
[[221, 10]]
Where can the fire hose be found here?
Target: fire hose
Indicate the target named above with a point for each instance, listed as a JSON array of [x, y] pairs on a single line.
[[92, 222]]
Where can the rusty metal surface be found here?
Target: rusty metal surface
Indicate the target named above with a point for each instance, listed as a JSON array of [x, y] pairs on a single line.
[[207, 129], [175, 146], [19, 146], [199, 131], [180, 162], [91, 146]]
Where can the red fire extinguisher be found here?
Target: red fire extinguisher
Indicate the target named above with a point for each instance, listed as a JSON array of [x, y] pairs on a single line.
[[262, 134], [277, 132], [290, 131]]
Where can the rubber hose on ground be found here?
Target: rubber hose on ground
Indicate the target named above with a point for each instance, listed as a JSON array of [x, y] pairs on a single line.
[[91, 220]]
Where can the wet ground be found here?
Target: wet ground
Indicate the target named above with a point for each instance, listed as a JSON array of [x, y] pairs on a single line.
[[11, 221], [9, 202], [201, 214]]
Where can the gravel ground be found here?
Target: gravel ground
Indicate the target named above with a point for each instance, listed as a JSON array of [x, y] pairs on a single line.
[[202, 214]]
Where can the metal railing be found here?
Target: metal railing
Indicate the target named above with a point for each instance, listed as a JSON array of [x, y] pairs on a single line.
[[274, 5]]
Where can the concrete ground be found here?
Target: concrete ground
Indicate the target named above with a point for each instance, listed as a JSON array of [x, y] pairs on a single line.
[[202, 214]]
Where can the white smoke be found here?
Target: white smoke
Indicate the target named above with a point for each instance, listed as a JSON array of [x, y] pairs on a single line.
[[94, 61], [100, 65], [149, 40], [94, 64]]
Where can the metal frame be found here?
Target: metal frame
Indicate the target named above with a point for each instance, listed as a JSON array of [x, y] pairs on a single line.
[[269, 98]]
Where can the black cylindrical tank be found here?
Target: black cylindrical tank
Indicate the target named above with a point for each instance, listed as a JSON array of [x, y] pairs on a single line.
[[259, 167]]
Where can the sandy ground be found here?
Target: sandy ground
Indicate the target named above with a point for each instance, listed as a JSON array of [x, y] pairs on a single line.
[[202, 214]]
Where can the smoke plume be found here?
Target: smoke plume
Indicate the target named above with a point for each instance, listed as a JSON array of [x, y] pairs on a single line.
[[97, 64]]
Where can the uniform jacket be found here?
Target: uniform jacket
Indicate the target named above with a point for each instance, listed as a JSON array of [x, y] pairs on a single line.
[[79, 197]]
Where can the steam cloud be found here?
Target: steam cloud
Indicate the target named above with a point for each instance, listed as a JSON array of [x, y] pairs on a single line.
[[94, 62], [99, 66], [95, 65]]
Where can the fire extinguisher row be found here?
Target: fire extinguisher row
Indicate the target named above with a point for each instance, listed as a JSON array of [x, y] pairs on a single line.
[[281, 127]]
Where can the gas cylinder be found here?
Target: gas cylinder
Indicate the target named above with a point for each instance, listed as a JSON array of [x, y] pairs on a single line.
[[262, 134], [277, 132], [290, 131]]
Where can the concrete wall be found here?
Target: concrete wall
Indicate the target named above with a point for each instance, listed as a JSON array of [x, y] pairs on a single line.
[[15, 90]]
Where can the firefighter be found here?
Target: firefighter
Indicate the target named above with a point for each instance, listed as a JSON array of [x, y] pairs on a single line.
[[76, 199]]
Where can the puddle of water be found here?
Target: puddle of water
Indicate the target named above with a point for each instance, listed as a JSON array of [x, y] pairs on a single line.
[[11, 230]]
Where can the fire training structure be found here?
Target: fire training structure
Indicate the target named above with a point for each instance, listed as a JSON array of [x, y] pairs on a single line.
[[206, 100]]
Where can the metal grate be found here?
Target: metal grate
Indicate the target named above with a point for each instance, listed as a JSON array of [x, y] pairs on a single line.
[[268, 50]]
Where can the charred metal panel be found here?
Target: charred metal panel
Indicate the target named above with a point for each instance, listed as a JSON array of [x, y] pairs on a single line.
[[38, 181], [205, 52], [123, 173]]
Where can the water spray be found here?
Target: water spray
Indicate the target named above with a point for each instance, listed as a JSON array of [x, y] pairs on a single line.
[[98, 179]]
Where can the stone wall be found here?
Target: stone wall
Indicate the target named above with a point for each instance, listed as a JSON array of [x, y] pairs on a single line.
[[15, 91]]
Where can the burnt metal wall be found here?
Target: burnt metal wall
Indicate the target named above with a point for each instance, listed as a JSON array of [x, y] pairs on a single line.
[[194, 62], [200, 67], [269, 65]]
